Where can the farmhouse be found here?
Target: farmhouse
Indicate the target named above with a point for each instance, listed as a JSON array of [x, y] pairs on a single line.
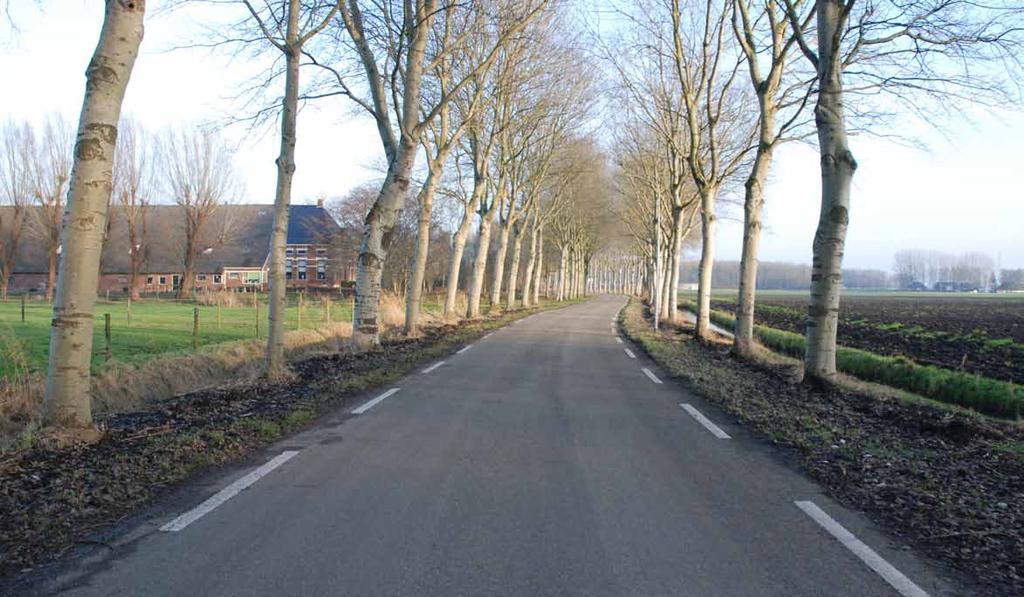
[[233, 251]]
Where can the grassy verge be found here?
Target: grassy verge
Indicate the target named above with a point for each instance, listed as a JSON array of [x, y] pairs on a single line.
[[51, 497], [947, 481], [985, 395]]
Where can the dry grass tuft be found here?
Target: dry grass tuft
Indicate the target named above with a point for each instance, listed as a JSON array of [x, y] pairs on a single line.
[[212, 298], [392, 310]]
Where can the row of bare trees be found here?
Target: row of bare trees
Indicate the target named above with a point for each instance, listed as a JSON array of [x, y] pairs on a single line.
[[188, 167], [707, 92], [489, 93]]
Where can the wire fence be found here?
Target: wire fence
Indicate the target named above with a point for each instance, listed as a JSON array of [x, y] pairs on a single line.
[[127, 330]]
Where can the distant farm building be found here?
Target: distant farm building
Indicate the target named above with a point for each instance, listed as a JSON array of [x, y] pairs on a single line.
[[233, 254]]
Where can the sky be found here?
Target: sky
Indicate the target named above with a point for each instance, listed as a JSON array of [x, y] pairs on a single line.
[[958, 195]]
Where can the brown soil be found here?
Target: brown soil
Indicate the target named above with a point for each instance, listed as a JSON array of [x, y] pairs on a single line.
[[955, 332]]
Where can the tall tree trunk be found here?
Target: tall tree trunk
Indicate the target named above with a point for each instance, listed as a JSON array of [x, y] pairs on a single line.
[[373, 250], [414, 297], [837, 169], [499, 264], [275, 365], [52, 263], [707, 261], [539, 269], [753, 202], [455, 266], [513, 272], [476, 283], [678, 236], [135, 260], [67, 401], [531, 262]]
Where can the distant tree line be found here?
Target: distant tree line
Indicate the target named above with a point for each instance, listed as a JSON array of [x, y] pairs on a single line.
[[782, 275], [938, 270]]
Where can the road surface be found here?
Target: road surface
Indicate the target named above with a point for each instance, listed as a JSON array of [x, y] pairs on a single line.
[[549, 458]]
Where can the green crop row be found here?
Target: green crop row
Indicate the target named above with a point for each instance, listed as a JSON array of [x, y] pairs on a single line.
[[990, 396]]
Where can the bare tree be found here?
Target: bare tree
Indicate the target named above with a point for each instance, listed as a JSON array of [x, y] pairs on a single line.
[[287, 26], [66, 403], [390, 39], [198, 174], [443, 136], [51, 173], [134, 184], [923, 53], [17, 154], [763, 34]]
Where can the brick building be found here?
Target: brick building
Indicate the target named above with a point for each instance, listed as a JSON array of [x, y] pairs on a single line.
[[234, 255]]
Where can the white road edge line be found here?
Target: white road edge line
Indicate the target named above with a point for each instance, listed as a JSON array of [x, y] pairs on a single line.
[[227, 493], [372, 403], [651, 375], [618, 339], [630, 353], [714, 429], [903, 585], [434, 366], [464, 349]]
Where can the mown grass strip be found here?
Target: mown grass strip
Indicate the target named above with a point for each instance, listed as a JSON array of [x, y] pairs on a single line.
[[985, 395]]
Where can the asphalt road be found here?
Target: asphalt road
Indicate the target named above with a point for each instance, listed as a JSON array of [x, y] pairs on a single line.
[[541, 460]]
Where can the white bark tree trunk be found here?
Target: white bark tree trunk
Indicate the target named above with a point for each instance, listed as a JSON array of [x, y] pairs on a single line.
[[538, 277], [499, 264], [837, 169], [275, 365], [419, 260], [476, 283], [380, 223], [707, 262], [513, 272], [531, 262], [753, 202], [67, 401]]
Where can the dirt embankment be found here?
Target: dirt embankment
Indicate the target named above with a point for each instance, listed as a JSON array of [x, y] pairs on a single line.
[[51, 499], [947, 482]]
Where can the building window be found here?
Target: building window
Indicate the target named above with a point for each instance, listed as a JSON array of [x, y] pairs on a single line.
[[288, 251], [201, 277], [122, 280], [302, 251], [321, 251], [302, 274], [216, 278], [163, 280], [149, 280], [321, 275], [233, 275], [253, 277], [288, 275]]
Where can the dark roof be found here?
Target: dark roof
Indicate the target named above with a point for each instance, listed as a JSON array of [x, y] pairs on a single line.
[[235, 236]]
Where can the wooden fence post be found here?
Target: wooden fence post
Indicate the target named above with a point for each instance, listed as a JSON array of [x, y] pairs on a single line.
[[218, 314], [106, 336], [23, 308], [195, 328], [299, 310], [257, 319], [129, 310]]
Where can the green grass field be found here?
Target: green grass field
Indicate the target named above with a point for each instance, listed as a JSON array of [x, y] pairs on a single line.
[[156, 327]]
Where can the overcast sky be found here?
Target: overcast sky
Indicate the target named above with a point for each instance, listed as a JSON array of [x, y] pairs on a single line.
[[960, 195]]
